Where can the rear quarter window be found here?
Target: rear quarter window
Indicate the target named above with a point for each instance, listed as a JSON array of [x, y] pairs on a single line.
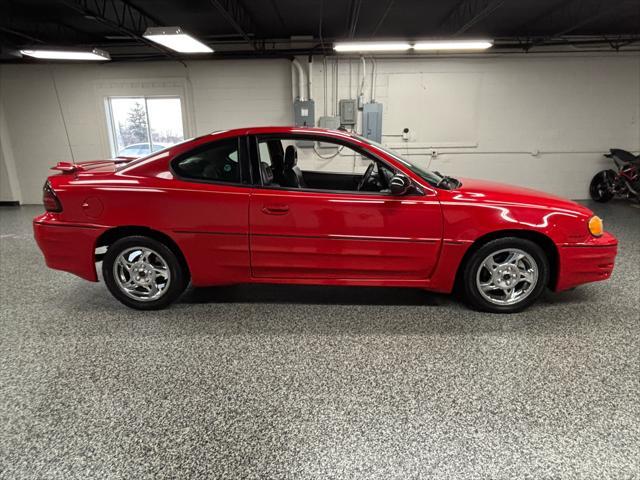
[[214, 162]]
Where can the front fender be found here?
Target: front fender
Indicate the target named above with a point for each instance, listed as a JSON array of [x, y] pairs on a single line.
[[466, 220]]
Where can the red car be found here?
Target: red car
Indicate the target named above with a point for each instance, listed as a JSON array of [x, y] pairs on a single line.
[[233, 207]]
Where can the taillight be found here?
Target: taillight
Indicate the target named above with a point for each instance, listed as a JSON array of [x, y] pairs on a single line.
[[50, 199]]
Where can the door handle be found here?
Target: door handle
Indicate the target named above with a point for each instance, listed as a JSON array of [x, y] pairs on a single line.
[[275, 209]]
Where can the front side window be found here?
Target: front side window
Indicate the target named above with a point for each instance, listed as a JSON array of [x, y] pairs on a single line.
[[214, 162], [434, 178], [320, 164]]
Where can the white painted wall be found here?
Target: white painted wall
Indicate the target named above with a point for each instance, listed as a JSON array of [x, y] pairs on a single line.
[[9, 184], [216, 95], [6, 193], [483, 116], [536, 121]]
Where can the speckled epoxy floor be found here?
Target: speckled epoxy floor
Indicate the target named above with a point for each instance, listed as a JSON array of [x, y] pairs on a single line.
[[292, 382]]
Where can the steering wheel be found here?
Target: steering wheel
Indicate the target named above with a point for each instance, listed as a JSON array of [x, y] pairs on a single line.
[[367, 176]]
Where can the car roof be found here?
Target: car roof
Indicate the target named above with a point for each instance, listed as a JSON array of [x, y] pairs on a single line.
[[187, 144], [283, 129]]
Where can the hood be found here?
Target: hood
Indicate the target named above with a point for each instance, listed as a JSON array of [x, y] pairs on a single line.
[[500, 192]]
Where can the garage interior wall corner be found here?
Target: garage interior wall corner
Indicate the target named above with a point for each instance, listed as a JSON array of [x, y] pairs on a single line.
[[9, 185]]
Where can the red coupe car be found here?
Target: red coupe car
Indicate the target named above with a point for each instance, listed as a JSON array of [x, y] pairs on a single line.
[[234, 207]]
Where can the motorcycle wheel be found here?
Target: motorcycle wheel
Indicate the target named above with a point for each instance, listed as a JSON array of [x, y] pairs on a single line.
[[600, 187]]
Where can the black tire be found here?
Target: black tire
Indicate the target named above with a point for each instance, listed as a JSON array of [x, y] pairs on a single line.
[[178, 275], [471, 291], [599, 188]]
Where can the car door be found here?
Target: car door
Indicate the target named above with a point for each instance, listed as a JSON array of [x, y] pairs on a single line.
[[208, 210], [311, 234]]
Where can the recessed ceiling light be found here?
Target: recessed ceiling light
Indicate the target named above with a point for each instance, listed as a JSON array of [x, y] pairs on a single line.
[[51, 54], [175, 39], [453, 45], [371, 47]]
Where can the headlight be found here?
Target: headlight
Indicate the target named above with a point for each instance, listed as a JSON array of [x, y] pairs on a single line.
[[595, 226]]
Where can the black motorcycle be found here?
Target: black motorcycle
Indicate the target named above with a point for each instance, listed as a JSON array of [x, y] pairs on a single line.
[[623, 182]]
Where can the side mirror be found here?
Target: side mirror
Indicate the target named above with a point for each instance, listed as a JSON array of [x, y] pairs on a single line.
[[399, 184]]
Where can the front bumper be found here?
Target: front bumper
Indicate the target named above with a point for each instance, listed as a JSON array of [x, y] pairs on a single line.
[[586, 262], [68, 247]]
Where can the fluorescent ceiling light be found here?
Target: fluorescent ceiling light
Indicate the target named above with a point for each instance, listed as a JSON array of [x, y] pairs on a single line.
[[49, 54], [371, 47], [175, 39], [453, 45]]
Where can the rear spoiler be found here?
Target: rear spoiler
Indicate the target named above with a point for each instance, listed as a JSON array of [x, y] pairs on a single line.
[[68, 167]]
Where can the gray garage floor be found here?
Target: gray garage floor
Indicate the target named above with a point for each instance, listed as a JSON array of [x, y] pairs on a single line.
[[290, 382]]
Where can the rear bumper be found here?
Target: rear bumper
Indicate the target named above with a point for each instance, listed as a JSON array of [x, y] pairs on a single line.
[[588, 262], [67, 247]]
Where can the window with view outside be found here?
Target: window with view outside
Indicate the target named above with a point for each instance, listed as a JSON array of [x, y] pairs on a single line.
[[142, 125]]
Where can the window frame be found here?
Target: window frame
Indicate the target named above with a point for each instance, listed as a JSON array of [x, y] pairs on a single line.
[[111, 126], [246, 179], [254, 155]]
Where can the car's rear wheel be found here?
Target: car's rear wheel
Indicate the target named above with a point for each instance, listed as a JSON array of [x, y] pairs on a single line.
[[505, 275], [143, 273]]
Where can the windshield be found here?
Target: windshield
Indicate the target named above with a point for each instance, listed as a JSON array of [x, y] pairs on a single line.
[[432, 177]]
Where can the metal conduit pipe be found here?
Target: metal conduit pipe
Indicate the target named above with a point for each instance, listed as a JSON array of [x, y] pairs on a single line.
[[310, 79], [296, 64]]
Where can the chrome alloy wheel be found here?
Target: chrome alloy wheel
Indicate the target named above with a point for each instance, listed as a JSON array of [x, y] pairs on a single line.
[[507, 277], [142, 274]]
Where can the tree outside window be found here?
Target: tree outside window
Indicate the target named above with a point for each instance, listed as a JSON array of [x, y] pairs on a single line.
[[141, 125]]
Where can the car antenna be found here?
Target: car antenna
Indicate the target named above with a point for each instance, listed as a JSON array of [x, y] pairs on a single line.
[[64, 122]]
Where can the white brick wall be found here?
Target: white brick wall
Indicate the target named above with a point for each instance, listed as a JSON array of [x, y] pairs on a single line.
[[536, 121], [217, 95], [568, 108]]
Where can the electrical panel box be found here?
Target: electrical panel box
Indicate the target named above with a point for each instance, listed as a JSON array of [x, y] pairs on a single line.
[[332, 123], [348, 112], [372, 121], [304, 113]]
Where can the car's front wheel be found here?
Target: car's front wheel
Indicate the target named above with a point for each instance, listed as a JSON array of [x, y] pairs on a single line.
[[143, 273], [505, 275]]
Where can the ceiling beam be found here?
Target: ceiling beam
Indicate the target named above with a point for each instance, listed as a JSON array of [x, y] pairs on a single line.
[[36, 28], [574, 14], [354, 17], [383, 17], [122, 17], [22, 35], [278, 13], [236, 16], [466, 14]]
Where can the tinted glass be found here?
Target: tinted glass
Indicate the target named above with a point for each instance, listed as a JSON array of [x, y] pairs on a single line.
[[213, 162]]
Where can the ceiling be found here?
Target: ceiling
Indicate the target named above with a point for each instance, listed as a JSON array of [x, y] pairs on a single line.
[[281, 28]]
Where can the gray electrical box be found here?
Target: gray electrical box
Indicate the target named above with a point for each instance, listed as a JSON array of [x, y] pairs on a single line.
[[304, 113], [332, 123], [348, 112], [372, 121]]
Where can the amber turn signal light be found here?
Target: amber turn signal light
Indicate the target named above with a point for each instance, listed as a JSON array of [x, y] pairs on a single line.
[[596, 226]]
